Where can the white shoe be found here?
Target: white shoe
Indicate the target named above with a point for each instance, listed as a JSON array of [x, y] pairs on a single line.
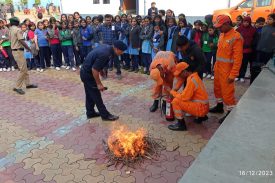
[[1, 69], [12, 68], [208, 76], [212, 77], [52, 67], [242, 80], [236, 79], [41, 70], [4, 69], [63, 66], [68, 67], [8, 69], [80, 66], [57, 68], [74, 69], [204, 75], [187, 115], [38, 69]]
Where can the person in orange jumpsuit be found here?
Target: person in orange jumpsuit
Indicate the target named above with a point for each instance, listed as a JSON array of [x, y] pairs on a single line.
[[227, 66], [162, 69], [193, 99]]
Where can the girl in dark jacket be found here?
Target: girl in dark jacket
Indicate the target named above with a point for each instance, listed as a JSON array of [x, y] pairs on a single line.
[[248, 33], [172, 35], [134, 44]]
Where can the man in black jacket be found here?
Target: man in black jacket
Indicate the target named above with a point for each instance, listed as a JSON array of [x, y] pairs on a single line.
[[153, 9], [190, 51]]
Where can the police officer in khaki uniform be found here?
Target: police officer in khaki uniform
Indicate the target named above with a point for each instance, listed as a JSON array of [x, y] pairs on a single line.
[[17, 46]]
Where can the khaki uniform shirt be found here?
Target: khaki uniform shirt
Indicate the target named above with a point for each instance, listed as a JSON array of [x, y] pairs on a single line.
[[15, 35]]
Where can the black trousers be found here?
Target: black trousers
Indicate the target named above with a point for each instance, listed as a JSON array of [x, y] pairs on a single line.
[[93, 95]]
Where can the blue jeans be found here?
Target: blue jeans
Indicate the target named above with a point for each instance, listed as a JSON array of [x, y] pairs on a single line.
[[135, 61], [44, 54], [68, 54], [147, 60], [57, 55], [77, 56]]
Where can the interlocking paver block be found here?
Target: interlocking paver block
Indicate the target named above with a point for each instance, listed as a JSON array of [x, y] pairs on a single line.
[[129, 179], [110, 175], [38, 167], [29, 162], [90, 178], [50, 173], [80, 174], [63, 178]]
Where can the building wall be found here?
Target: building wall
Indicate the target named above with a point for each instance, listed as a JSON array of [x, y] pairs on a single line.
[[188, 7], [87, 7]]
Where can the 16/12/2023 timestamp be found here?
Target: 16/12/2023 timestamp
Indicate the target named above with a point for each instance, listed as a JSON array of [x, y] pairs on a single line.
[[256, 173]]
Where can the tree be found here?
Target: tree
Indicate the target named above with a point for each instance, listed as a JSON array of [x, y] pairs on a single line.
[[8, 1], [37, 2], [24, 2]]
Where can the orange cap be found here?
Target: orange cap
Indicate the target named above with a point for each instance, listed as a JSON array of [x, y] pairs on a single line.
[[180, 67], [222, 19], [155, 75]]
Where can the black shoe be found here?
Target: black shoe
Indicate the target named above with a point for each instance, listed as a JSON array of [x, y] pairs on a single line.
[[110, 69], [155, 106], [110, 118], [163, 107], [223, 118], [199, 120], [131, 70], [217, 109], [148, 73], [179, 126], [19, 91], [94, 115], [136, 71], [31, 86]]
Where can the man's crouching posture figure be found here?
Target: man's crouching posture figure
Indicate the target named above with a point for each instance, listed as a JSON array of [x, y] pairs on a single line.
[[193, 99]]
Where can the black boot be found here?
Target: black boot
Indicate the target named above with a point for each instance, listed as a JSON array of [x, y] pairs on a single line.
[[223, 118], [217, 109], [199, 120], [179, 126], [154, 107]]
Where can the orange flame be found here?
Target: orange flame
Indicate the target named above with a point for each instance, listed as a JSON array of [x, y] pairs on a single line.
[[125, 143]]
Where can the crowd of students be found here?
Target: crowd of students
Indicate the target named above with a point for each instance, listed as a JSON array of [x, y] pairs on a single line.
[[74, 37]]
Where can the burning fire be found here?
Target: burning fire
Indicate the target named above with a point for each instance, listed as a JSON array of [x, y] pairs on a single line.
[[128, 144]]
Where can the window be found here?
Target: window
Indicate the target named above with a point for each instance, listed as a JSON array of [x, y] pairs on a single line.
[[96, 1], [106, 1], [246, 4], [261, 3]]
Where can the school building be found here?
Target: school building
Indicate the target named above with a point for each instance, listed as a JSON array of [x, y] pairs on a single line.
[[188, 7]]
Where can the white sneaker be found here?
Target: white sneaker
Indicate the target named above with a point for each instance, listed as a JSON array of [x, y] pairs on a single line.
[[38, 69], [74, 69], [208, 76], [204, 75], [68, 67], [236, 79], [1, 69], [57, 68], [63, 66], [212, 77], [80, 66], [12, 68], [242, 80], [8, 69], [4, 69], [52, 67], [41, 70]]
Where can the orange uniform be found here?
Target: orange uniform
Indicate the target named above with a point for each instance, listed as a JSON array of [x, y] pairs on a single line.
[[229, 61], [192, 100], [168, 63]]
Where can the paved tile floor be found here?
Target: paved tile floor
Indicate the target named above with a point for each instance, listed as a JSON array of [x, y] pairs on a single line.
[[45, 137]]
